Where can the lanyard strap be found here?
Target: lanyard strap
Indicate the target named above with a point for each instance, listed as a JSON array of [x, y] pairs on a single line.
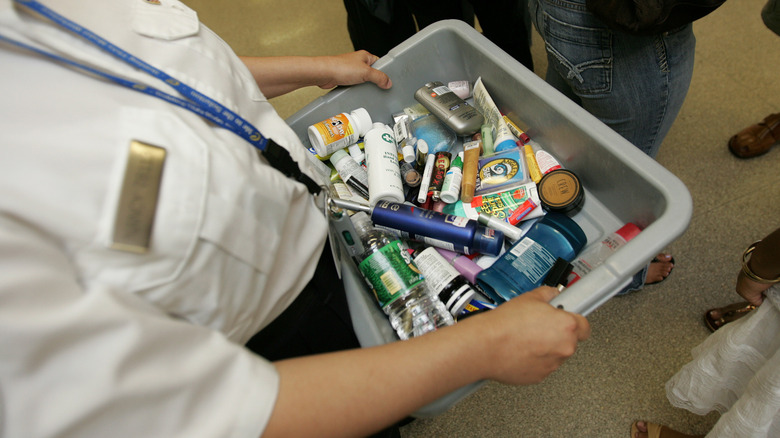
[[195, 101]]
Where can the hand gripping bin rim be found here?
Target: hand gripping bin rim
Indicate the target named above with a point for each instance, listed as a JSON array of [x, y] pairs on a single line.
[[622, 184]]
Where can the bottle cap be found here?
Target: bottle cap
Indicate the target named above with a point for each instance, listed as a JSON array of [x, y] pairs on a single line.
[[316, 141], [459, 299], [362, 223], [409, 154], [422, 146], [557, 275], [628, 231], [362, 121], [487, 241], [467, 267], [337, 156], [560, 191]]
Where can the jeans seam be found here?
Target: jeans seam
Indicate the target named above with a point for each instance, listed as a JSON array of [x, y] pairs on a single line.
[[567, 5]]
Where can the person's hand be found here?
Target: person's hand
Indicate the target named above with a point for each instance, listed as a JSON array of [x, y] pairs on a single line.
[[750, 290], [530, 338], [350, 69]]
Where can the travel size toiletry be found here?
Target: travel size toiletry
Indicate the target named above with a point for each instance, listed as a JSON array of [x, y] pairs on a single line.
[[351, 172], [446, 231], [339, 131], [525, 265], [594, 256], [560, 191], [453, 111], [384, 172]]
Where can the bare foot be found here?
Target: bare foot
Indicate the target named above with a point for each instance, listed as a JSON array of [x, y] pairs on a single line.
[[659, 268], [641, 430]]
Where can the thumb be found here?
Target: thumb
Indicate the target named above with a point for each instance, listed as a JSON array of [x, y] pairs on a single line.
[[544, 293], [381, 79]]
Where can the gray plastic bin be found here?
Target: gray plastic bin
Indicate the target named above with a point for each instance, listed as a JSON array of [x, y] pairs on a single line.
[[621, 183]]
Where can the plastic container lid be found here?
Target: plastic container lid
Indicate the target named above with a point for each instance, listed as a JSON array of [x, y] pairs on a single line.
[[409, 155], [560, 191], [362, 121], [460, 299], [337, 156], [487, 240], [467, 267], [422, 146], [568, 228]]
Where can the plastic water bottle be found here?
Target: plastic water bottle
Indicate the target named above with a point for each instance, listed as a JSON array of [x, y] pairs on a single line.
[[444, 280], [398, 286]]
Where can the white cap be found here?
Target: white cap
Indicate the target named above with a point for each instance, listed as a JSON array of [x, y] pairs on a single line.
[[422, 146], [337, 156], [362, 121], [460, 299], [362, 223], [409, 154]]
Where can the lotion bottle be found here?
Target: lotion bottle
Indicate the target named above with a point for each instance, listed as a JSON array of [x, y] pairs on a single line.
[[384, 173]]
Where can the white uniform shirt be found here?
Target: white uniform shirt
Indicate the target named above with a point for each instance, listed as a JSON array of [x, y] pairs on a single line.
[[100, 342]]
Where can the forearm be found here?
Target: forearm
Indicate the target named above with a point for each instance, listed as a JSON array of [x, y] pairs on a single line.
[[373, 387], [282, 74], [279, 75], [357, 392]]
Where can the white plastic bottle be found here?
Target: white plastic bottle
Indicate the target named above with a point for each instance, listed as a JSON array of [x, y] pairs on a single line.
[[384, 173], [398, 286], [444, 280], [450, 190], [351, 172], [339, 131]]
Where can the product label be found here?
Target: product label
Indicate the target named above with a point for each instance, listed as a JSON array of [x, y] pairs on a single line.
[[438, 272], [391, 272], [336, 132], [441, 90], [533, 260], [546, 162], [440, 167], [521, 200]]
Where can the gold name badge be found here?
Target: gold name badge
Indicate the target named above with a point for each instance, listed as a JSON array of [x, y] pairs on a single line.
[[138, 199]]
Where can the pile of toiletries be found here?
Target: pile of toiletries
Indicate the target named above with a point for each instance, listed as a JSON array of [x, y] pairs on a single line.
[[462, 184]]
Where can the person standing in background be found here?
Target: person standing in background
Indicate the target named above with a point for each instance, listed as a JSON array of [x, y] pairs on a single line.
[[635, 84], [379, 25]]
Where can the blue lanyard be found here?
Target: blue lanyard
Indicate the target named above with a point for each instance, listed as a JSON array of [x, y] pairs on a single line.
[[195, 101]]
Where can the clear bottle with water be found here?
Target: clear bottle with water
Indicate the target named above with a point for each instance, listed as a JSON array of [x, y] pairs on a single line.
[[398, 286]]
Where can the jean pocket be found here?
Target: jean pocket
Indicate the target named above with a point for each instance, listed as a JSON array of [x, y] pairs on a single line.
[[581, 53]]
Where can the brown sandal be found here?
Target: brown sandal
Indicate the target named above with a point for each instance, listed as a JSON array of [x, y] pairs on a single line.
[[757, 139], [728, 314]]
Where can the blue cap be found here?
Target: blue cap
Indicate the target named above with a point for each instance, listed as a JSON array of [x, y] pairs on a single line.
[[505, 145], [487, 241]]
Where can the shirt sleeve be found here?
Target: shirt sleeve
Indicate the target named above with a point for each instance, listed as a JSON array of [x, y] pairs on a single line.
[[100, 362]]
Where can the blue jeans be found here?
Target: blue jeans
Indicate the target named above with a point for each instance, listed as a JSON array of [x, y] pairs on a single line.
[[634, 84]]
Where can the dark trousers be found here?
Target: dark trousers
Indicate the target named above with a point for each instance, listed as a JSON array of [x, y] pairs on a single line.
[[502, 22], [318, 321]]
